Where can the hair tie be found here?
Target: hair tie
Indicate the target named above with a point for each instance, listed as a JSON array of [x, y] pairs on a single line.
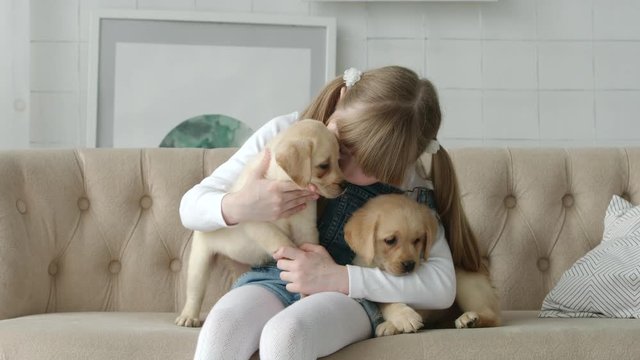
[[351, 76], [432, 147]]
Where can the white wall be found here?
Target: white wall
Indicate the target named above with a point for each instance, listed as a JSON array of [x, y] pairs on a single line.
[[14, 74], [512, 72]]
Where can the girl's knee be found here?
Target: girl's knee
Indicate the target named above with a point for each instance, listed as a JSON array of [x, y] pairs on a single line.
[[226, 322], [283, 327], [285, 337], [228, 333], [224, 314]]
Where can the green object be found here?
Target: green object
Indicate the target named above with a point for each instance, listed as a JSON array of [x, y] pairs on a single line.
[[208, 131]]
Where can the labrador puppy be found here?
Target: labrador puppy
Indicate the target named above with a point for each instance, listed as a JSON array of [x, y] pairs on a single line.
[[394, 233], [305, 153]]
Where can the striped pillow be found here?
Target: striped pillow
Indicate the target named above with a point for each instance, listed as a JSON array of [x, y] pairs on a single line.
[[606, 281]]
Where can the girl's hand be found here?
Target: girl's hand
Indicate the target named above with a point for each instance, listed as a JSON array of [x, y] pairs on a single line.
[[264, 200], [310, 269]]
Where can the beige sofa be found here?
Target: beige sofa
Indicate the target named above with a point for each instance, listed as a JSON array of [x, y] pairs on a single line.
[[92, 253]]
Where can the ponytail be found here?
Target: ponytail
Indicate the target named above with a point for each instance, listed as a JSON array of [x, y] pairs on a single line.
[[325, 103], [462, 241]]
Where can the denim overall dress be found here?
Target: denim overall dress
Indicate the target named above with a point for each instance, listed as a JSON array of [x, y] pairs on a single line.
[[331, 232]]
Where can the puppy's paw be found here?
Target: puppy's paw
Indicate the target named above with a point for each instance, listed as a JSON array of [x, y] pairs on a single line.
[[407, 320], [386, 329], [188, 321], [467, 320]]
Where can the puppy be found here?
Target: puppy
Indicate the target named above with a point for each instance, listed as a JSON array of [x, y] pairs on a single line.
[[306, 153], [395, 233]]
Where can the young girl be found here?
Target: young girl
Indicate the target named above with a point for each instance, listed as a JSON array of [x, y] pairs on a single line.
[[385, 119]]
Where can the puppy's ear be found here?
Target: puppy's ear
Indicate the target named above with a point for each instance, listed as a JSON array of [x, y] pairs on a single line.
[[430, 223], [359, 233], [294, 157]]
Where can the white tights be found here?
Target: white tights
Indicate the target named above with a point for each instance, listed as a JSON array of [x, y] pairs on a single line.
[[251, 316]]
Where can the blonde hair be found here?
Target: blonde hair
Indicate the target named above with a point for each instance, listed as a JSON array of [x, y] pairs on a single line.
[[390, 117]]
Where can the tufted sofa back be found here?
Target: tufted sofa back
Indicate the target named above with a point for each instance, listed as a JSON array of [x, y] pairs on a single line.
[[537, 211], [99, 230]]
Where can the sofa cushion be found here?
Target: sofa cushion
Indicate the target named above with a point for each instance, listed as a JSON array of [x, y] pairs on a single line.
[[96, 335], [123, 335], [606, 281], [521, 336]]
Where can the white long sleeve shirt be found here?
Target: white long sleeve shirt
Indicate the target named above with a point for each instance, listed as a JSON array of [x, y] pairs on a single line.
[[432, 286]]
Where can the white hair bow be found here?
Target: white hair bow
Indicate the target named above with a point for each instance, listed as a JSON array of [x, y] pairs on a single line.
[[433, 147], [351, 76]]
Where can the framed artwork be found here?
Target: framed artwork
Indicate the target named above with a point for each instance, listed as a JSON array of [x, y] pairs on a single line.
[[161, 77]]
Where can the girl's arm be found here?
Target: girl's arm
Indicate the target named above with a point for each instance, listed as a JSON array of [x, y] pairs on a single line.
[[201, 207], [310, 269]]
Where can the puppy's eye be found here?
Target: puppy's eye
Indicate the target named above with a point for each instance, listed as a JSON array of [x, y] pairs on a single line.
[[416, 241], [390, 241], [324, 166]]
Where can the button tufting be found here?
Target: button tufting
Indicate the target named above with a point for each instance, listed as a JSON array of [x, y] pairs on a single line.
[[625, 195], [567, 200], [83, 204], [543, 264], [510, 201], [175, 265], [21, 206], [146, 202], [114, 267], [53, 268]]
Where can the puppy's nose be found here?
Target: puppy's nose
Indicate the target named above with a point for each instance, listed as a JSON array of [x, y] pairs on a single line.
[[408, 266]]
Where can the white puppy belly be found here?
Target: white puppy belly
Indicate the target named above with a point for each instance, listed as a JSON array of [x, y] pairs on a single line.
[[233, 243]]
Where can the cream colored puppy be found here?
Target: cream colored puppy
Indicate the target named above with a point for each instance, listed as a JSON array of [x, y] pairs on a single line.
[[395, 233], [306, 153]]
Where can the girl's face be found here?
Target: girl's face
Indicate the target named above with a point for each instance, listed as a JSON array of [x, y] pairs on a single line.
[[351, 169]]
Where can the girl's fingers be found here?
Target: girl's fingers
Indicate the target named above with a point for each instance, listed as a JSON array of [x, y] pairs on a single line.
[[297, 204], [287, 252], [314, 248], [260, 171], [292, 287], [287, 186], [293, 210], [299, 196], [286, 276]]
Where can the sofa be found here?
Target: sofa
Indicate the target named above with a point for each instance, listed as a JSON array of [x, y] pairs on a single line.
[[93, 255]]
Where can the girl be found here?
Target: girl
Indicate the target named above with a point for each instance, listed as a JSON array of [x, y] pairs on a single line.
[[384, 119]]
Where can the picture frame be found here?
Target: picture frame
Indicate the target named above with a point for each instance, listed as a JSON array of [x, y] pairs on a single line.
[[150, 70]]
